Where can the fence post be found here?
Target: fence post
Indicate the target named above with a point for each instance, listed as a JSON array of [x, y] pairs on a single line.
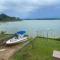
[[47, 35]]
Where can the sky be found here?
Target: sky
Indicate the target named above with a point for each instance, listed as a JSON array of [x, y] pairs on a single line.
[[31, 8]]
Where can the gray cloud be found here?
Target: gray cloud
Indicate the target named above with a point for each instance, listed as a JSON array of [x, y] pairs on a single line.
[[25, 6]]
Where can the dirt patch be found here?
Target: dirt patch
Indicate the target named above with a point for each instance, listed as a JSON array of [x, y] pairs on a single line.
[[6, 52]]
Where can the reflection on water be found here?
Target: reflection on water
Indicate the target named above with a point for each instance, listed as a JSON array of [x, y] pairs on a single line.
[[33, 27]]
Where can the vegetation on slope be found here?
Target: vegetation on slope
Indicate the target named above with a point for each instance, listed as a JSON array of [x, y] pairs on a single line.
[[4, 17]]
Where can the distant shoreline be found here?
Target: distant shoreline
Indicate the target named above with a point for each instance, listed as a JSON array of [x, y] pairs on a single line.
[[44, 19], [40, 19], [11, 21], [23, 20]]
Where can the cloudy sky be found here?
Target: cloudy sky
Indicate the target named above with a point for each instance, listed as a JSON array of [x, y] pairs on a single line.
[[31, 8]]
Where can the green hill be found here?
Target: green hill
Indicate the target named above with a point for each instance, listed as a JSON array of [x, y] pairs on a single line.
[[4, 17]]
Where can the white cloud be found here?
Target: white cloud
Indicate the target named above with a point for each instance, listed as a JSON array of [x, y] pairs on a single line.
[[24, 6]]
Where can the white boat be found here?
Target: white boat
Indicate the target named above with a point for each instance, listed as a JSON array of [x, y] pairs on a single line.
[[20, 38], [14, 40]]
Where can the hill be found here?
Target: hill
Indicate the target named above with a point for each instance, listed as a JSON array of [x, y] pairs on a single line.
[[4, 17]]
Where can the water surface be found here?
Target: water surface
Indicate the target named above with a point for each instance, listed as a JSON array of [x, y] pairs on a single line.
[[33, 27]]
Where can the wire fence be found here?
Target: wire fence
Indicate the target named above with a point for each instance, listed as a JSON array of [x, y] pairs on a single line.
[[46, 34]]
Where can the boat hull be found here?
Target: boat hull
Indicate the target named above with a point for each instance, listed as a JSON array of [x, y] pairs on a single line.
[[15, 41]]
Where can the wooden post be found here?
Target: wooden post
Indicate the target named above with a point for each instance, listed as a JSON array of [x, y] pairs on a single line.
[[47, 35]]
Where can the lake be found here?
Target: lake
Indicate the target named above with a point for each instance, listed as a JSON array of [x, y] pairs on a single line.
[[46, 28]]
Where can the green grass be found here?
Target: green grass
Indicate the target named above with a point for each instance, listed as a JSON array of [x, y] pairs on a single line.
[[41, 49], [3, 36]]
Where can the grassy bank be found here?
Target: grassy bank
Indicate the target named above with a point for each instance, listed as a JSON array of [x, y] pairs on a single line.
[[41, 49], [4, 37]]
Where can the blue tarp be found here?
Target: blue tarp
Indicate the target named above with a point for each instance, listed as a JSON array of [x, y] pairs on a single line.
[[21, 32]]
